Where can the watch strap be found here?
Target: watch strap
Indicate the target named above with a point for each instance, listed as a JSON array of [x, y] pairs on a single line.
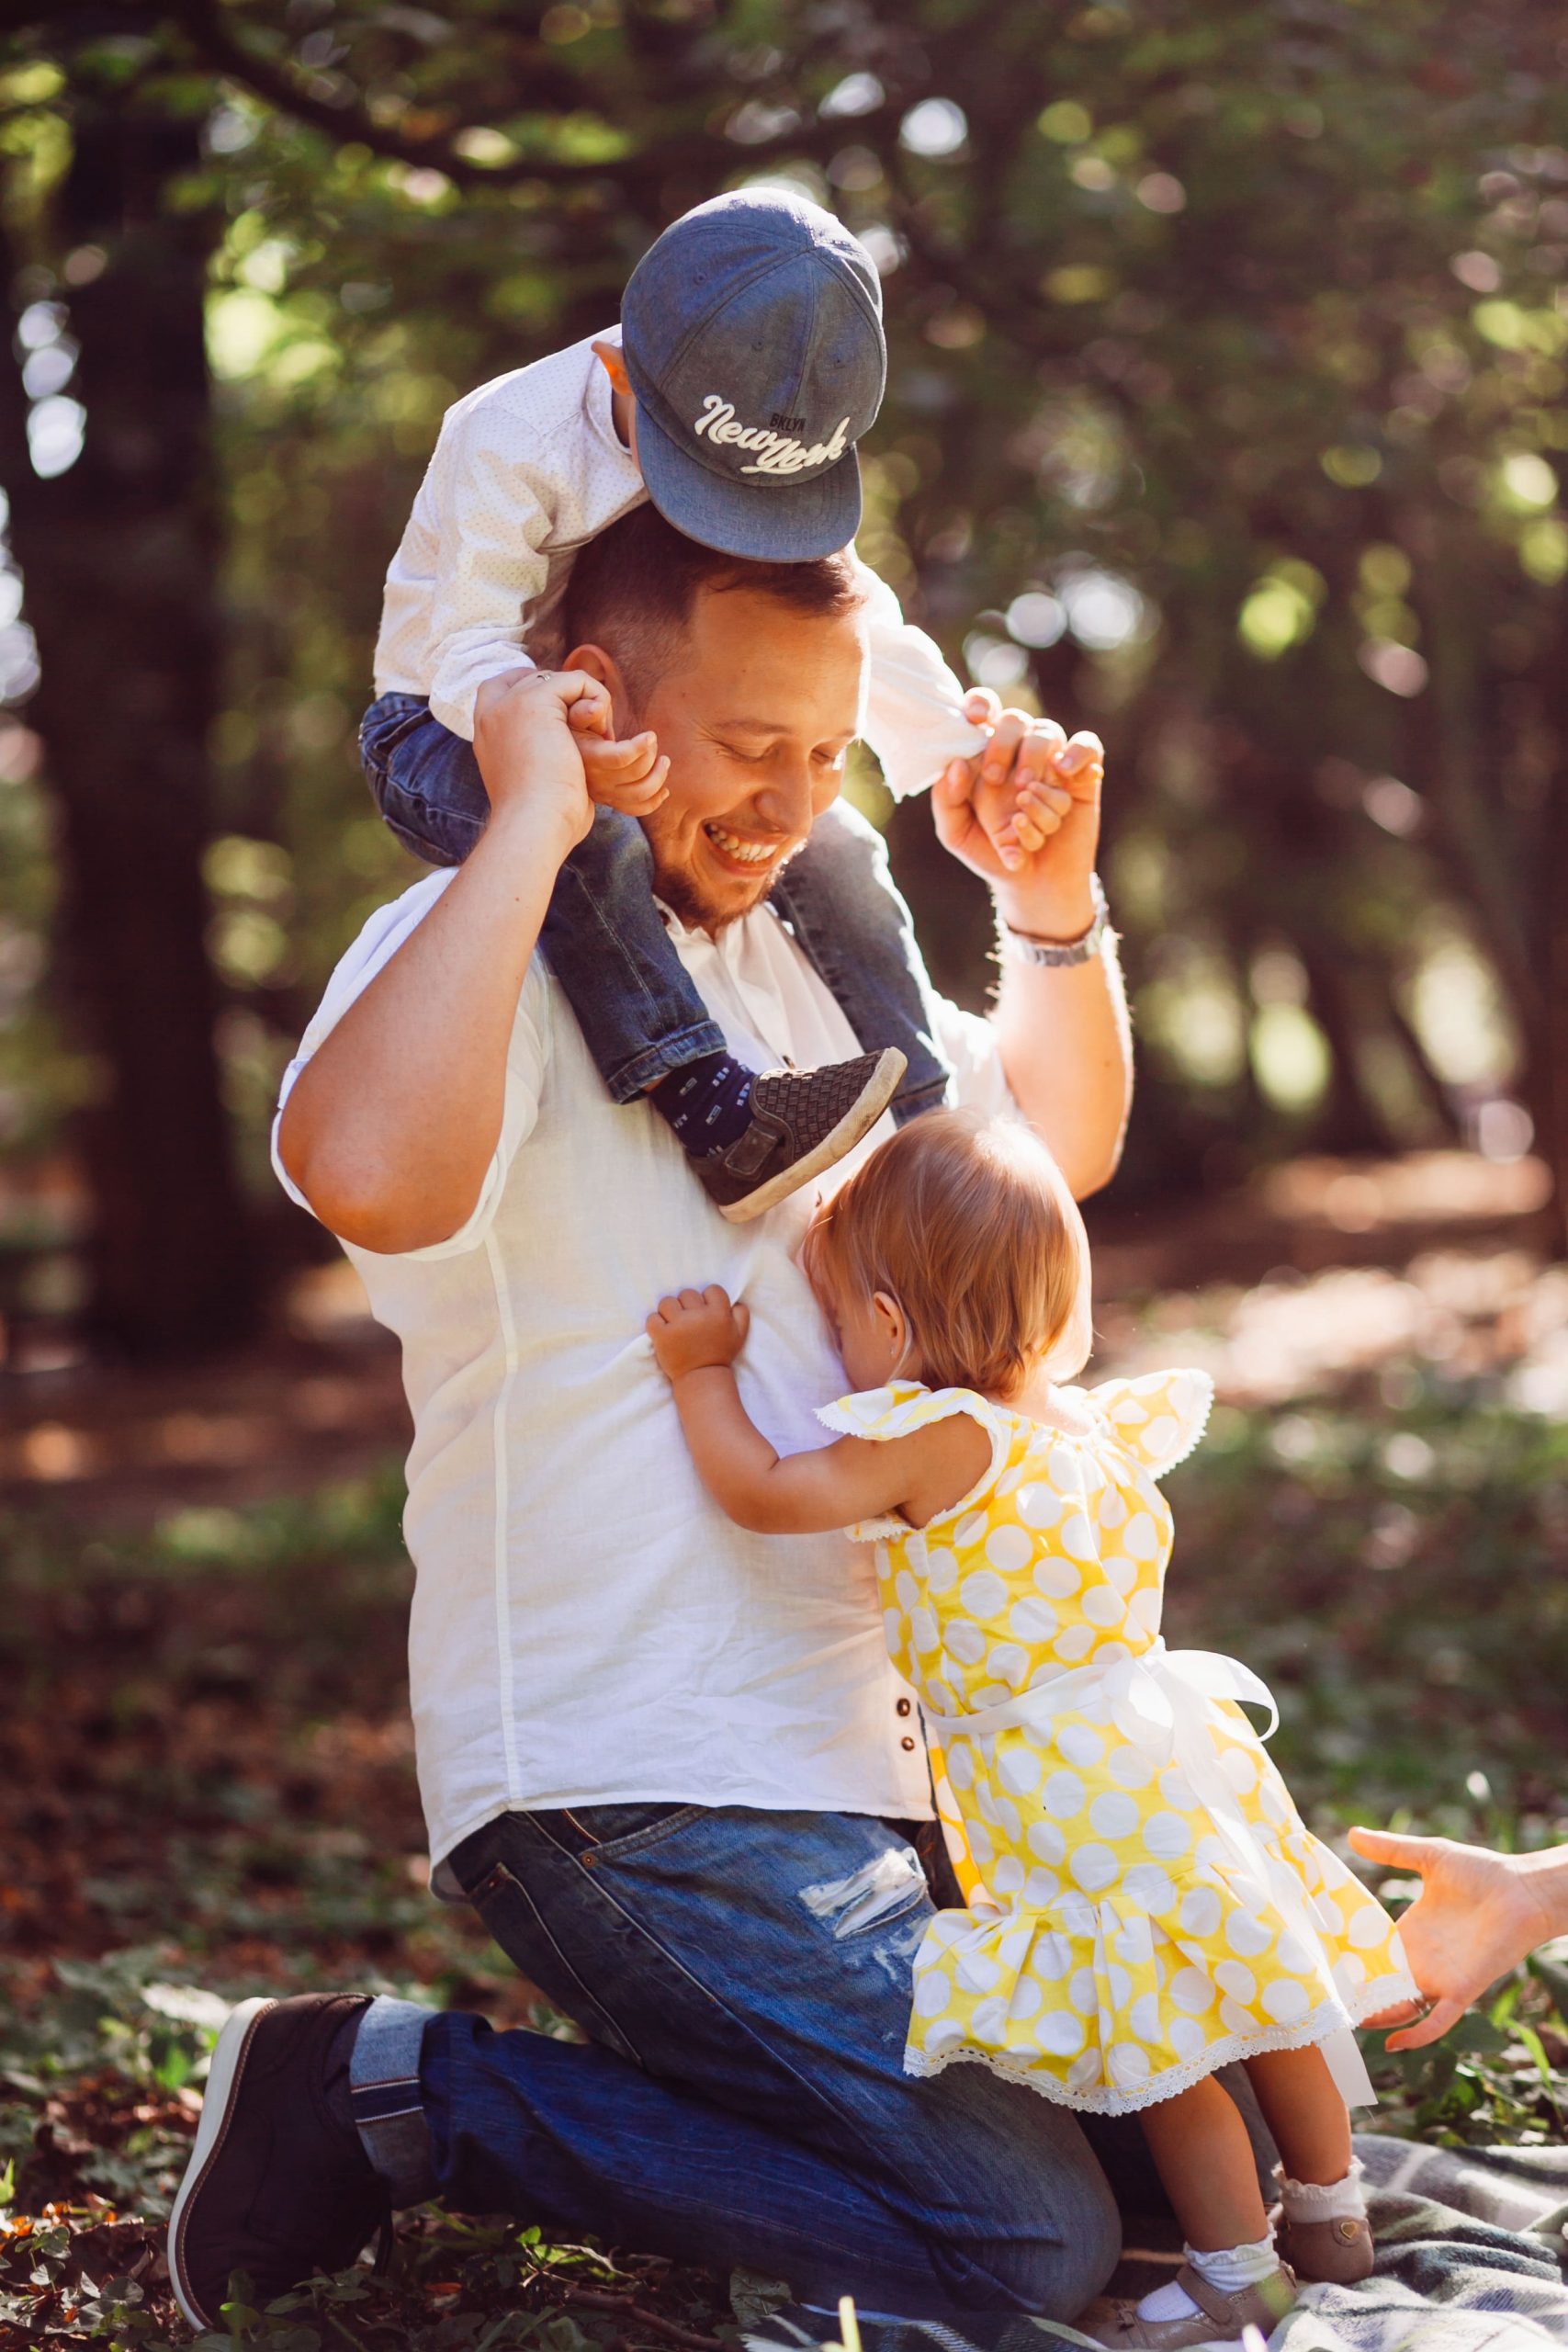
[[1024, 947]]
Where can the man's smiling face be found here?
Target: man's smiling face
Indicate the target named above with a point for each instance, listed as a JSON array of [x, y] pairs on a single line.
[[757, 709]]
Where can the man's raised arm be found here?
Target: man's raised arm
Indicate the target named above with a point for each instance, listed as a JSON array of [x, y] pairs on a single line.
[[1065, 1036], [393, 1123]]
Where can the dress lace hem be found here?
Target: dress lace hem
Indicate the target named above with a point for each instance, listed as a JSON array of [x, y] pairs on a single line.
[[1329, 2017]]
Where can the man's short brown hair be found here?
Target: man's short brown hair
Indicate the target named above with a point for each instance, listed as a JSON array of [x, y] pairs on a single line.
[[632, 589]]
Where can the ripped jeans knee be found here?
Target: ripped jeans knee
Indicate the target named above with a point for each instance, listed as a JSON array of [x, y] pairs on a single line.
[[884, 1888]]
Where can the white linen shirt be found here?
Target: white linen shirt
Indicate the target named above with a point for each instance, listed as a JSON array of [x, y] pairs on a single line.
[[528, 469], [588, 1627]]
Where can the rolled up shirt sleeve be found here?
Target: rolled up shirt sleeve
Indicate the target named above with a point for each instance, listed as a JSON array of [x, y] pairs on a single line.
[[497, 509], [389, 929]]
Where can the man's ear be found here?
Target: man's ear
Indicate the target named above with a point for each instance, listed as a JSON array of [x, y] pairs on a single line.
[[605, 668], [615, 367], [893, 1325]]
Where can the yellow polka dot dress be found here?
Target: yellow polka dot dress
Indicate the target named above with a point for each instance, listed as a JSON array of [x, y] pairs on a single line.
[[1143, 1902]]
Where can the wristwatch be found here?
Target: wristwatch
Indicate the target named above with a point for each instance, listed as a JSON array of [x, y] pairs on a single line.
[[1025, 948]]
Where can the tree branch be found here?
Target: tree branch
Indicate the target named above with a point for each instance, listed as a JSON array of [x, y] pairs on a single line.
[[280, 89], [201, 21]]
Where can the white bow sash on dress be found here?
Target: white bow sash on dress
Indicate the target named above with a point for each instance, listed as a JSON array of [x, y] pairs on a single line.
[[1157, 1700]]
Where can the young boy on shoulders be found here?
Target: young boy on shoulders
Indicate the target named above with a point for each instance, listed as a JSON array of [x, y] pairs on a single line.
[[748, 362]]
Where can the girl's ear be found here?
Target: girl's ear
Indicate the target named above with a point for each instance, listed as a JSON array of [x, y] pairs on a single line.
[[893, 1326]]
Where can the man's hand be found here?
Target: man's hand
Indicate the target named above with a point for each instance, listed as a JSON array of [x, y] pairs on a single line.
[[528, 746], [697, 1329], [1477, 1916], [394, 1122], [628, 776], [1025, 817]]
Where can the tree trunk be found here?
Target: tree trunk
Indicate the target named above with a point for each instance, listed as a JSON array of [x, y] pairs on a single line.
[[118, 558], [1546, 1062], [1350, 1121]]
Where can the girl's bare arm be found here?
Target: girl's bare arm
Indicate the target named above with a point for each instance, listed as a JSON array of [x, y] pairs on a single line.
[[696, 1338]]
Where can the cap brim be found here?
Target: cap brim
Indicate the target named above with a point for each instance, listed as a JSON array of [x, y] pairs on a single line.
[[783, 524]]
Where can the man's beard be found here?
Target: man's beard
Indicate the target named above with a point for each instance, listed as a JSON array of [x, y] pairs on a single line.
[[680, 892]]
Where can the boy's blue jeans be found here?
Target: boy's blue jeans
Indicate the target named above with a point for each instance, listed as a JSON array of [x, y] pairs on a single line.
[[745, 1978], [640, 1014]]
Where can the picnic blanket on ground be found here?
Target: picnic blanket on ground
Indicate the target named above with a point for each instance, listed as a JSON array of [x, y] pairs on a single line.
[[1471, 2256]]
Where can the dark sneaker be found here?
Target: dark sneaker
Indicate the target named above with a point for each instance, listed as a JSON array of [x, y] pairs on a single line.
[[802, 1121], [276, 2186]]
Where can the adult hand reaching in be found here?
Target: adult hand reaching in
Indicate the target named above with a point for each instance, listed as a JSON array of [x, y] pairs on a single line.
[[1477, 1916]]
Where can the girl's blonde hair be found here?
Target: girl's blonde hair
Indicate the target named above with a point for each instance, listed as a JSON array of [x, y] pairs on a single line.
[[968, 1225]]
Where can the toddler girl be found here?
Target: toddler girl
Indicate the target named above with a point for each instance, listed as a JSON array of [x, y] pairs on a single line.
[[1143, 1905]]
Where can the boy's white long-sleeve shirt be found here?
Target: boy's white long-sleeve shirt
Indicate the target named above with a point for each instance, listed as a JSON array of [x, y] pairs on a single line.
[[526, 470]]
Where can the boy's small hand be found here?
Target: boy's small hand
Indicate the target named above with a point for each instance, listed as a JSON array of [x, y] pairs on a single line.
[[1029, 780], [696, 1329], [1024, 815], [1055, 781], [630, 776]]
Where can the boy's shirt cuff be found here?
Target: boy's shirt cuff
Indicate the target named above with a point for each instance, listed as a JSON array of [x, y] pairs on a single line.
[[453, 693]]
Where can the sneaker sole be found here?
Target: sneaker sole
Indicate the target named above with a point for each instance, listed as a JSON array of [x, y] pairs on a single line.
[[223, 2080], [862, 1116]]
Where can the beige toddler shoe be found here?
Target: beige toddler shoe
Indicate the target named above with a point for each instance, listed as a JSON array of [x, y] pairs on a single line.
[[1321, 2228], [1340, 2250], [1218, 2318]]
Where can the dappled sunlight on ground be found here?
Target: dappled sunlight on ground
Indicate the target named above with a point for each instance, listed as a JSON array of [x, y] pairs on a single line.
[[1319, 1273], [1500, 1316]]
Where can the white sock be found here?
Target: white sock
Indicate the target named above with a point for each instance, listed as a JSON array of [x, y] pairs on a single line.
[[1333, 2200], [1228, 2269]]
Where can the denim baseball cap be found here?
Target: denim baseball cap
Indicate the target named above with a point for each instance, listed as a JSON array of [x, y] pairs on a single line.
[[752, 331]]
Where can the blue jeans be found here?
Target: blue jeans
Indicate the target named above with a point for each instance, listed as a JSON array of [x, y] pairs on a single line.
[[745, 1979], [640, 1014]]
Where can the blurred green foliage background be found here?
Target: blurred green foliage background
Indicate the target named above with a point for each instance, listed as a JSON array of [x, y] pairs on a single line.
[[1226, 413]]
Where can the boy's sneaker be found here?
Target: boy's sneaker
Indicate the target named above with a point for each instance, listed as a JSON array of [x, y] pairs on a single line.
[[802, 1122], [276, 2186]]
